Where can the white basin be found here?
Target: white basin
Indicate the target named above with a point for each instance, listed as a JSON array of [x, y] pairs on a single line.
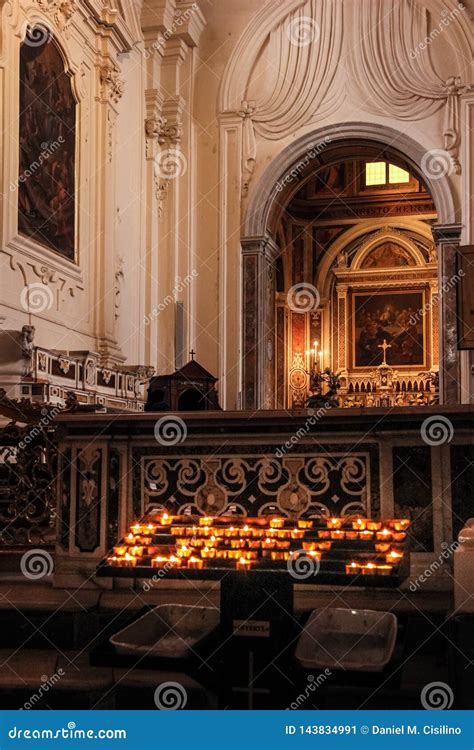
[[170, 630], [356, 640]]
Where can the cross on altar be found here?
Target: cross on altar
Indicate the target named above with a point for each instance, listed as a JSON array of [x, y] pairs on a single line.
[[384, 346], [192, 353]]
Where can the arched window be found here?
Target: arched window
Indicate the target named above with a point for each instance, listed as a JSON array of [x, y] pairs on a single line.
[[47, 124]]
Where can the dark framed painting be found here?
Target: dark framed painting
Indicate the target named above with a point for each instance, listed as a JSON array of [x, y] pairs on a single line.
[[47, 124], [390, 323]]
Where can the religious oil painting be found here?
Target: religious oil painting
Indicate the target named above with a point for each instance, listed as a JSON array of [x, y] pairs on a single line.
[[388, 326], [46, 203]]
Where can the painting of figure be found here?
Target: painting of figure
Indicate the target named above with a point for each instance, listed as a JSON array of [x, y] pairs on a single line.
[[389, 324], [46, 180]]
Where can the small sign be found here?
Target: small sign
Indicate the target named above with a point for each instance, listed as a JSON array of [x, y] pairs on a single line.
[[252, 628]]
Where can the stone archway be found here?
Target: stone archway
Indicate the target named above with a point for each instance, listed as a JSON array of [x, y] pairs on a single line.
[[317, 150]]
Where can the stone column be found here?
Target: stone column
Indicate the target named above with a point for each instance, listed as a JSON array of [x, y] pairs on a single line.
[[258, 323], [109, 92], [447, 238]]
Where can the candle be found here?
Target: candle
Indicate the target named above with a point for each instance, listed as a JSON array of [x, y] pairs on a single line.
[[243, 564], [283, 533], [206, 521], [175, 561], [366, 534], [352, 568], [359, 524], [374, 525], [282, 545], [178, 530], [297, 533], [131, 538], [150, 529], [311, 545], [221, 554], [303, 524], [135, 529], [393, 556], [237, 543], [212, 541], [128, 560], [158, 562], [249, 555], [276, 555], [231, 531], [277, 523], [398, 536], [323, 534], [352, 534], [208, 552], [164, 519], [234, 554], [183, 551], [268, 543], [368, 569], [384, 547], [400, 524], [120, 550], [196, 563], [384, 536], [136, 551], [334, 523], [337, 534], [112, 560]]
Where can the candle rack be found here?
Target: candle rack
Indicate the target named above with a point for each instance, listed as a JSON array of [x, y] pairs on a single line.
[[348, 550]]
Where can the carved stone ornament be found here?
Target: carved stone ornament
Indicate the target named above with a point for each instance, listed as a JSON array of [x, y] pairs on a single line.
[[61, 11], [112, 85]]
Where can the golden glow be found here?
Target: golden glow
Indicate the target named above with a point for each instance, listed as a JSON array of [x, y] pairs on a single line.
[[397, 175], [375, 173]]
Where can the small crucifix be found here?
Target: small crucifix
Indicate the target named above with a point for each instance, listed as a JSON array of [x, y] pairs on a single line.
[[384, 346], [192, 353]]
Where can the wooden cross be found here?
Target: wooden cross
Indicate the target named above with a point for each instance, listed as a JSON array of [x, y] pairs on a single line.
[[192, 353], [384, 346]]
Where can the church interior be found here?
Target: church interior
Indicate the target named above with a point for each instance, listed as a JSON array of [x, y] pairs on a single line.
[[236, 369]]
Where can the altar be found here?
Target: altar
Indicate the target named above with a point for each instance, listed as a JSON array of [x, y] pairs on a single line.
[[413, 463]]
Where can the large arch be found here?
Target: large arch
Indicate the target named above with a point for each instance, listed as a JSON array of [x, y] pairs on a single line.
[[315, 150]]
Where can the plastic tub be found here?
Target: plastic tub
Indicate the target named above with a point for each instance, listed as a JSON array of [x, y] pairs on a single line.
[[170, 630], [350, 639]]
